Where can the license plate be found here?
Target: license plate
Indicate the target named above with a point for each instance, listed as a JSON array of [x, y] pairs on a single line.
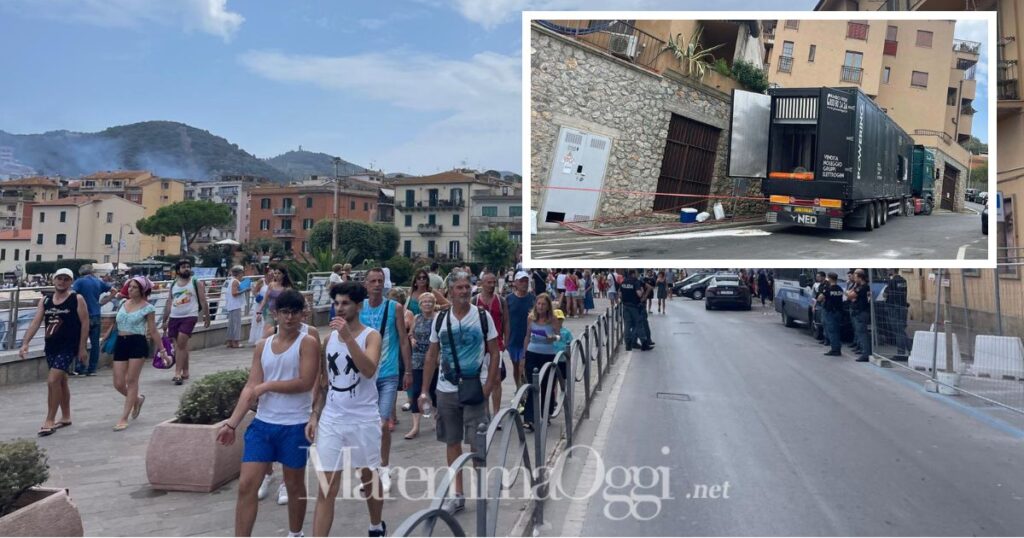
[[803, 210], [726, 292]]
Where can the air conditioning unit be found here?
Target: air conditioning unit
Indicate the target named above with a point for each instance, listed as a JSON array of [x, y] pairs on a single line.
[[624, 45]]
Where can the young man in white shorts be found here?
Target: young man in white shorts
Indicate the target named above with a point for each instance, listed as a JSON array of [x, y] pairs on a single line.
[[345, 423]]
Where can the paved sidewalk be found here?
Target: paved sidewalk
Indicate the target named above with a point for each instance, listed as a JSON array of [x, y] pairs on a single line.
[[105, 471]]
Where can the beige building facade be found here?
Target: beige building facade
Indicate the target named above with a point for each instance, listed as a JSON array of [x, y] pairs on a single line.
[[1010, 135], [911, 68], [87, 228], [15, 251]]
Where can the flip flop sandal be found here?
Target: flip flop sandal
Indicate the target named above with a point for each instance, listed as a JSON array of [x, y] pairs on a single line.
[[138, 407], [120, 427], [60, 425], [43, 432], [177, 380]]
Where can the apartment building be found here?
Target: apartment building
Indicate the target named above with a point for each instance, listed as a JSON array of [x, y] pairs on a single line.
[[141, 187], [288, 213], [15, 249], [438, 216], [87, 227], [370, 182], [231, 192], [17, 197], [612, 111], [911, 68], [1010, 136], [905, 5]]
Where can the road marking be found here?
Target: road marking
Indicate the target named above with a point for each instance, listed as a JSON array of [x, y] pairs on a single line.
[[962, 252], [846, 240], [577, 512], [705, 235]]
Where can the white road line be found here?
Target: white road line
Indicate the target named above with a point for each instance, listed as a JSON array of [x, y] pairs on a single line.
[[962, 252], [846, 240]]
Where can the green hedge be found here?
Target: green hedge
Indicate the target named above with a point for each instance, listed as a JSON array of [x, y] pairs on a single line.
[[212, 398], [22, 466]]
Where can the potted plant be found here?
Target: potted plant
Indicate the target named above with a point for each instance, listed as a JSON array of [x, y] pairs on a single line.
[[183, 453], [25, 508]]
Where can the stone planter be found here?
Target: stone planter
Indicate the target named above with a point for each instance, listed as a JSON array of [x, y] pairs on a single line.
[[43, 512], [187, 457]]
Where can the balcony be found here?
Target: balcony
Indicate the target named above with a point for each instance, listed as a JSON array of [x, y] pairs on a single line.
[[494, 221], [284, 211], [891, 46], [435, 205], [849, 73], [1008, 89], [618, 38], [282, 232], [429, 229], [769, 36], [785, 64], [966, 47]]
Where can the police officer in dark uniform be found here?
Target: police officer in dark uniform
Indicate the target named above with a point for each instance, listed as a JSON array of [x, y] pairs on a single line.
[[820, 283], [897, 308], [633, 293], [830, 302], [851, 283], [861, 297]]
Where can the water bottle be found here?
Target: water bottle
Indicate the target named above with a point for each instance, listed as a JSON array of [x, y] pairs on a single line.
[[425, 408]]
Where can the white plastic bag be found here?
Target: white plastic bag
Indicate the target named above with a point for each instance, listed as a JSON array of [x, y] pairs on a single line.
[[255, 331], [703, 216]]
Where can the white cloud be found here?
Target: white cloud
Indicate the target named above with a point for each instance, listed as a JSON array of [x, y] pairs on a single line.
[[479, 96], [207, 16]]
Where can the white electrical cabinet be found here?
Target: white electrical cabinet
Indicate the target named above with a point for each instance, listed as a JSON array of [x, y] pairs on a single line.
[[577, 176]]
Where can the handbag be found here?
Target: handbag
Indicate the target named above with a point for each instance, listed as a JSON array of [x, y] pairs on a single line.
[[471, 389], [158, 361], [110, 343]]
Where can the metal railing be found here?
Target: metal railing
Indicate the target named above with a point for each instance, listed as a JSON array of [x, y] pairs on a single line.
[[618, 38], [969, 47], [785, 64], [431, 206], [279, 211], [599, 342], [1008, 86], [849, 73], [429, 229]]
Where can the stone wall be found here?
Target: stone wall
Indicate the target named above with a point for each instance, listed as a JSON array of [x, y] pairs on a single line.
[[573, 85]]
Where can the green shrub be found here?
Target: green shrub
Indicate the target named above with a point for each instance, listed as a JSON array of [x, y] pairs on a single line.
[[722, 67], [22, 466], [401, 269], [749, 76], [212, 398]]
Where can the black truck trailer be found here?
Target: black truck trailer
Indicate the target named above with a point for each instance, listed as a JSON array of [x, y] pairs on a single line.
[[827, 157]]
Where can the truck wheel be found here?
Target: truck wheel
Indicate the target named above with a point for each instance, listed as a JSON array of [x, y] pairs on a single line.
[[879, 214], [786, 320], [869, 217], [927, 206]]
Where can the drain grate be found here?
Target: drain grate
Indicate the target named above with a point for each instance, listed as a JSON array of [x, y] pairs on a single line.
[[676, 396]]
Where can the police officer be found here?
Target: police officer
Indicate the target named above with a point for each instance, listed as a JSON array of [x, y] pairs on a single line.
[[898, 307], [820, 283], [650, 285], [851, 283], [830, 301], [632, 292], [860, 295]]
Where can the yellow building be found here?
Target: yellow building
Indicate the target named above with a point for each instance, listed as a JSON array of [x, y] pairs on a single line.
[[1010, 132], [17, 197], [911, 68], [87, 227], [143, 188]]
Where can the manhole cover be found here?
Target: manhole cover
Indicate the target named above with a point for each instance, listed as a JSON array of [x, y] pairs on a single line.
[[679, 397]]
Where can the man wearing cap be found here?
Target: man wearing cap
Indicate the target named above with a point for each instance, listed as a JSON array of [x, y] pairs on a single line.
[[520, 303], [90, 288], [67, 328]]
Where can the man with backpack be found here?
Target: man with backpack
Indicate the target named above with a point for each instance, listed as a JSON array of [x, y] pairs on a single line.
[[181, 313], [464, 344]]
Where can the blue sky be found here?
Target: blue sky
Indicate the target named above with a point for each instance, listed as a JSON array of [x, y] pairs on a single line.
[[416, 86]]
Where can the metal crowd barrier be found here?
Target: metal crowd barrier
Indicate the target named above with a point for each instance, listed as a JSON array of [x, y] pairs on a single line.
[[600, 343]]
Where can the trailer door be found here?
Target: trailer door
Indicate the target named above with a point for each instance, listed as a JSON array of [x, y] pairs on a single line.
[[835, 117], [748, 134]]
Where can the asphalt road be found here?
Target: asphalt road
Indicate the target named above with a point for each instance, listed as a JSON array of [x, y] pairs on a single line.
[[808, 444], [940, 236]]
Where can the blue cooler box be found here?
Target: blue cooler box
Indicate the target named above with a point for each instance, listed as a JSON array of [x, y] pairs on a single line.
[[688, 215]]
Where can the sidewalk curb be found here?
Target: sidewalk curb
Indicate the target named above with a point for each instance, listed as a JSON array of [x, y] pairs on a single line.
[[723, 226]]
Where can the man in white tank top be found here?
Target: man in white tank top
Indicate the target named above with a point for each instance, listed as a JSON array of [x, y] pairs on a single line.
[[284, 370], [345, 423]]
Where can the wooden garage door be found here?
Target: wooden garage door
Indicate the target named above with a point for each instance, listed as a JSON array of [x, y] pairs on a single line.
[[688, 165]]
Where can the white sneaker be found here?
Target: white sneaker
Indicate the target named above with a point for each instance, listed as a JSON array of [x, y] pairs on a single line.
[[385, 479], [296, 534], [282, 495], [454, 504], [264, 487]]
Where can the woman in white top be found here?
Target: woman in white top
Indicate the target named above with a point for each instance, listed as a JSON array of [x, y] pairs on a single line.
[[233, 300]]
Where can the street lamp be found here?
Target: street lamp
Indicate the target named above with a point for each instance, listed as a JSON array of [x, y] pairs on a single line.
[[334, 225], [120, 239]]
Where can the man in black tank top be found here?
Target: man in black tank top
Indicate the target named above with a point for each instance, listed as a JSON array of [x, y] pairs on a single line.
[[67, 329]]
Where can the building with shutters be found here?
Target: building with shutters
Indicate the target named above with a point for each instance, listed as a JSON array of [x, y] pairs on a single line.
[[615, 120], [17, 197], [288, 213], [233, 192], [911, 68], [86, 227]]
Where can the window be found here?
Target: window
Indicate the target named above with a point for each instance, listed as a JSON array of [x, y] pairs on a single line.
[[890, 33], [853, 59], [408, 221], [62, 239], [106, 258], [366, 206], [851, 70], [60, 256], [3, 253], [352, 205], [924, 38], [287, 246], [431, 249], [307, 224], [886, 72], [410, 198], [786, 60], [454, 250], [265, 203], [455, 219], [951, 97], [515, 211], [810, 54], [39, 239], [787, 48], [490, 211], [42, 217], [162, 252], [63, 216], [309, 202], [16, 252], [455, 196], [110, 218], [108, 239], [26, 254], [793, 25], [286, 224], [1006, 240], [407, 248], [264, 224], [857, 30], [305, 246], [432, 195], [919, 79], [165, 185], [431, 219], [39, 258], [286, 203]]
